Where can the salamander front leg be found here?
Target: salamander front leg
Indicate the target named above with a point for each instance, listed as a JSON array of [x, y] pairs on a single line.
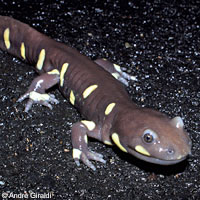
[[80, 132], [116, 71], [36, 92]]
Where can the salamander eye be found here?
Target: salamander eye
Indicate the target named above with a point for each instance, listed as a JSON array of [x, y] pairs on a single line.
[[149, 136]]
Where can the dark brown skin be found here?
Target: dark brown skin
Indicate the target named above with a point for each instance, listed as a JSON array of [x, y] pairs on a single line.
[[110, 113]]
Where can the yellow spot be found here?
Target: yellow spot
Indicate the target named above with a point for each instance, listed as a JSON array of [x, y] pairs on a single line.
[[115, 138], [76, 153], [105, 59], [72, 97], [89, 90], [142, 150], [54, 71], [179, 157], [89, 124], [6, 36], [116, 75], [107, 142], [38, 97], [41, 59], [109, 108], [23, 51], [117, 67], [86, 139], [62, 73]]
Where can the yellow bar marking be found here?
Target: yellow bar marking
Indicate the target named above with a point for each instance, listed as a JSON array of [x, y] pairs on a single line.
[[115, 138], [23, 51], [142, 150], [116, 75], [41, 59], [109, 108], [107, 142], [72, 97], [62, 73], [117, 67], [89, 124], [76, 153], [89, 90], [54, 71], [6, 36], [86, 139]]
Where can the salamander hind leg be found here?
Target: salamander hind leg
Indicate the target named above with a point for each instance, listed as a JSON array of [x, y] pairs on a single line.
[[36, 92], [80, 132], [116, 71]]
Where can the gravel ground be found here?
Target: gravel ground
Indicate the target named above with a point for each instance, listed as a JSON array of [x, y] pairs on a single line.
[[159, 42]]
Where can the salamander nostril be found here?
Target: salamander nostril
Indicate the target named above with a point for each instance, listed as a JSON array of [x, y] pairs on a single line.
[[171, 151]]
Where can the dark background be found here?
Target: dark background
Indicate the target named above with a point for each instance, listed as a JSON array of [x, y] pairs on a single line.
[[157, 41]]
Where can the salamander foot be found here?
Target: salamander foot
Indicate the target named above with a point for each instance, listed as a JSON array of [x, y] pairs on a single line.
[[35, 97]]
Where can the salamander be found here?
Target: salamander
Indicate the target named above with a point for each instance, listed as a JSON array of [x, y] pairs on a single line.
[[97, 90]]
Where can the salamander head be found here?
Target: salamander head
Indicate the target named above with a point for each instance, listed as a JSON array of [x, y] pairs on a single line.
[[152, 137]]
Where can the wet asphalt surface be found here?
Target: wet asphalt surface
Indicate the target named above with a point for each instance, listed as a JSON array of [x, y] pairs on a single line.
[[159, 42]]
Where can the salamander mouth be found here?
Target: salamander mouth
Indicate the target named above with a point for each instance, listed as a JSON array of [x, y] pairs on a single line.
[[156, 160]]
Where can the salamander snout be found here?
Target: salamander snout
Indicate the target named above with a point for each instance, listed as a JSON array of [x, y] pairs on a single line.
[[177, 153], [173, 154]]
